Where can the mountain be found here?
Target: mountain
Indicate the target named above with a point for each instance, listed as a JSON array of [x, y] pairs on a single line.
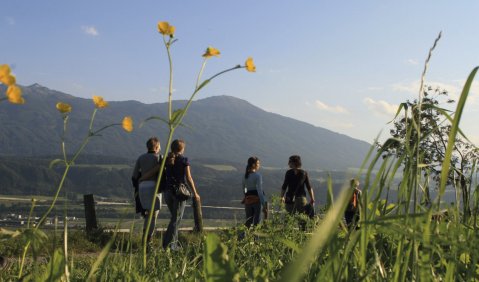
[[219, 129]]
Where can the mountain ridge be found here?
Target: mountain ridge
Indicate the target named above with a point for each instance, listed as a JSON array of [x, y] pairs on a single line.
[[219, 127]]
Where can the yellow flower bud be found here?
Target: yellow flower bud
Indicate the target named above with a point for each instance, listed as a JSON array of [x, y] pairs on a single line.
[[249, 65], [99, 102], [127, 124], [210, 52], [64, 107], [166, 29]]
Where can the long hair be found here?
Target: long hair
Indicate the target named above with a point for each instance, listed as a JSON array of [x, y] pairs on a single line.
[[251, 162], [177, 146]]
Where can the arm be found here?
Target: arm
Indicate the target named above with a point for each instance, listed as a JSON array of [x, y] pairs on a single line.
[[259, 188], [284, 187], [151, 174], [136, 174], [310, 189], [191, 183]]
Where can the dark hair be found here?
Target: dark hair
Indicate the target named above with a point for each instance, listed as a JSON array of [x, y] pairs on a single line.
[[295, 160], [152, 143], [176, 146], [251, 162]]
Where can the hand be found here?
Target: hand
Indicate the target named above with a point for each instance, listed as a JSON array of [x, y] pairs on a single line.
[[197, 196], [282, 200], [311, 202]]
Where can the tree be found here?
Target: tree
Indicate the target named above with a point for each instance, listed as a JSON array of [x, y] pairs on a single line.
[[434, 127]]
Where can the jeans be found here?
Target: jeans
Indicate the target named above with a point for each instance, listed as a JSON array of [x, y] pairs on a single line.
[[152, 225], [253, 214], [176, 210]]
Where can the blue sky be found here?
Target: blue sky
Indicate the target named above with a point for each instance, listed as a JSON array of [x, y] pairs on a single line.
[[341, 65]]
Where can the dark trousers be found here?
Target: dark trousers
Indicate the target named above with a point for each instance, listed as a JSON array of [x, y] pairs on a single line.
[[176, 210], [253, 214], [298, 206], [351, 217]]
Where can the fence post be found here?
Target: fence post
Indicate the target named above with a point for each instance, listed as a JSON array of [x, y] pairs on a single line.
[[90, 215], [198, 215]]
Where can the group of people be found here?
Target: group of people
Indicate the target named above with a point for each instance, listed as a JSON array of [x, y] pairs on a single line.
[[296, 186], [144, 178]]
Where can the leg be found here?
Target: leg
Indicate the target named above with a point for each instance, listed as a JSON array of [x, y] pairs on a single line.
[[249, 215], [256, 213], [152, 225], [176, 209]]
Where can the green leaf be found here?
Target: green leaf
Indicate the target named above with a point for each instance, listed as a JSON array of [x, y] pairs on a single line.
[[203, 84], [218, 265], [454, 129], [54, 162], [176, 117], [7, 234], [153, 118], [55, 268]]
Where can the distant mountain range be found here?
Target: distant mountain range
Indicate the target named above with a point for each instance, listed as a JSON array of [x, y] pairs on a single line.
[[219, 129]]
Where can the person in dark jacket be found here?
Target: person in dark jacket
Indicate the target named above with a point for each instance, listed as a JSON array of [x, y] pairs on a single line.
[[295, 185], [177, 171], [351, 214]]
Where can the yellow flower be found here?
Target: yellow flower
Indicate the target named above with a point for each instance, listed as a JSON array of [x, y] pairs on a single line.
[[166, 29], [210, 52], [4, 70], [249, 65], [14, 95], [99, 102], [5, 76], [8, 79], [64, 107], [127, 124]]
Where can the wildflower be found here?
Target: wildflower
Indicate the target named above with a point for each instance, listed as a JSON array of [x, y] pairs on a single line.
[[64, 107], [127, 124], [210, 52], [166, 29], [249, 65], [99, 102], [14, 95]]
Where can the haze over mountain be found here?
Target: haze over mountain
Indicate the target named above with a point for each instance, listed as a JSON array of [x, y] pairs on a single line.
[[219, 129]]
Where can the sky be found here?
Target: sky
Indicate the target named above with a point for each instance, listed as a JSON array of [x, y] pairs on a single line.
[[341, 65]]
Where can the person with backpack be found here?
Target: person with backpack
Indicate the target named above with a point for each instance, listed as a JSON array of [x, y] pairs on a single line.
[[145, 185], [177, 171], [254, 199], [293, 192], [351, 214]]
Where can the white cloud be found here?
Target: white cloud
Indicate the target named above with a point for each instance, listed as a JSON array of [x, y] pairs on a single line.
[[412, 62], [10, 21], [90, 30], [413, 87], [333, 109], [380, 107]]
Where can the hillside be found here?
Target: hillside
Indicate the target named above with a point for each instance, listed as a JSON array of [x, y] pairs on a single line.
[[220, 129]]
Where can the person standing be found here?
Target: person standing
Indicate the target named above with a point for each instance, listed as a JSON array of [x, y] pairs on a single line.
[[254, 200], [351, 214], [147, 185], [293, 193], [177, 171]]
